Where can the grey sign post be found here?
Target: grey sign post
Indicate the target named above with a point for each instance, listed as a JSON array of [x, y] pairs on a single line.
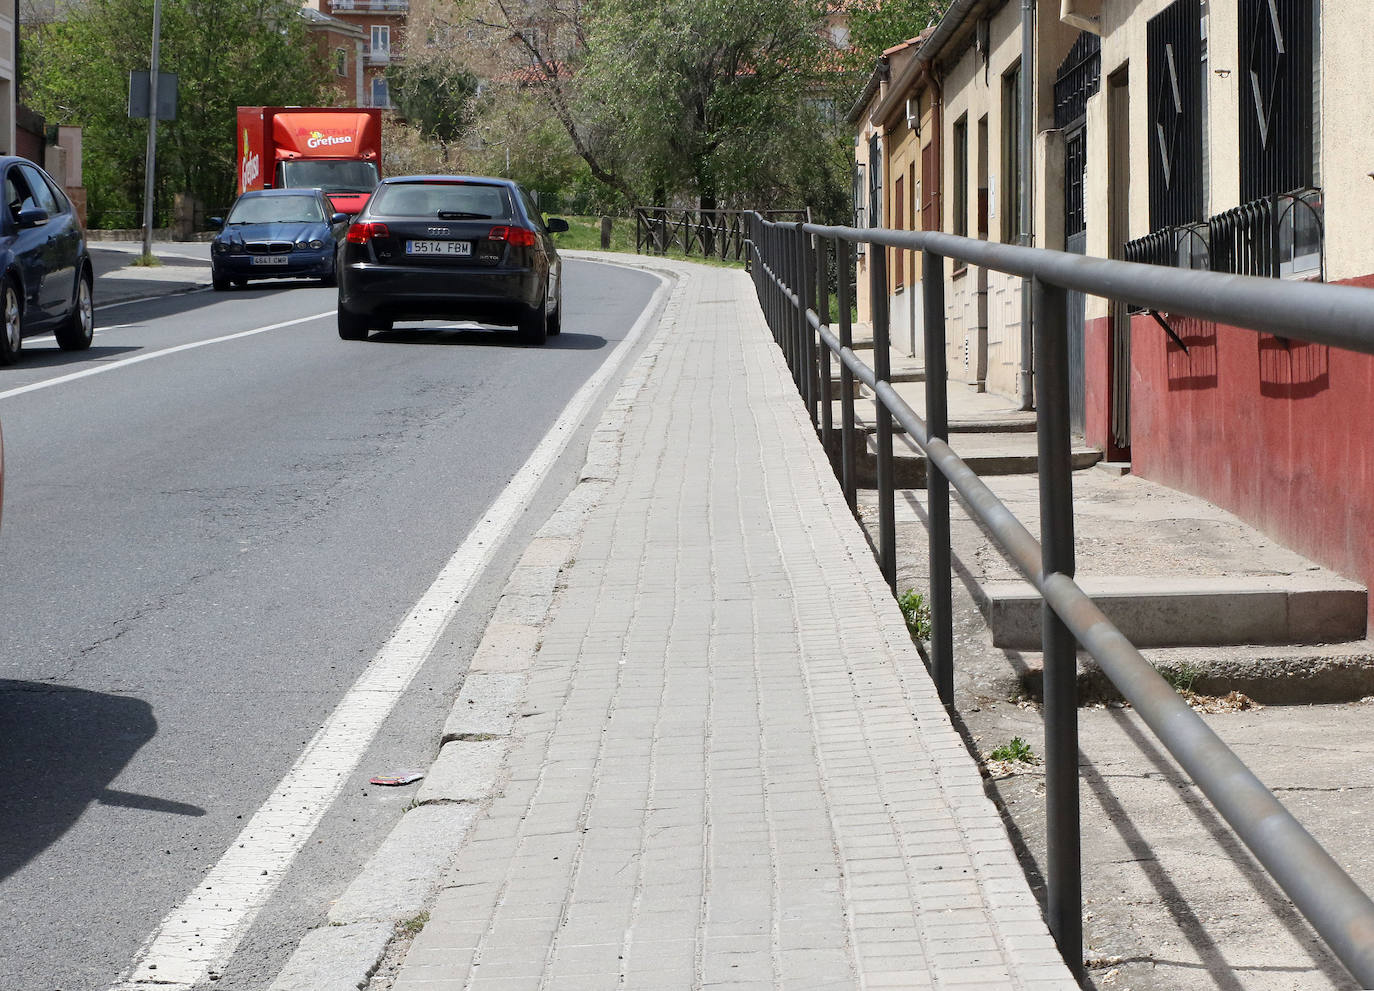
[[151, 161], [166, 95]]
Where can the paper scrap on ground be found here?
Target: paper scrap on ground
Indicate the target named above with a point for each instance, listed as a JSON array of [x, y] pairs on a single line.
[[404, 778]]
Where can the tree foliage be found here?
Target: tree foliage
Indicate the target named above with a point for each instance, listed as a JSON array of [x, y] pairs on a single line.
[[877, 25], [725, 102], [226, 54], [437, 99]]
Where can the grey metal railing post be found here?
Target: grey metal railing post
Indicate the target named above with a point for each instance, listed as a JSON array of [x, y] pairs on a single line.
[[807, 288], [882, 370], [937, 485], [827, 396], [794, 269], [1064, 869], [848, 473]]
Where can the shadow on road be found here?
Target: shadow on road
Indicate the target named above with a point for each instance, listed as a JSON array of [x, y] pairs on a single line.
[[51, 356], [499, 338], [60, 748]]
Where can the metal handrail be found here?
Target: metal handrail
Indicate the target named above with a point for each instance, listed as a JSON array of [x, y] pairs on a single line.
[[788, 269]]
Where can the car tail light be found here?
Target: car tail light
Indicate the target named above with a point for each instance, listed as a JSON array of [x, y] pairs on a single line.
[[362, 233], [518, 236]]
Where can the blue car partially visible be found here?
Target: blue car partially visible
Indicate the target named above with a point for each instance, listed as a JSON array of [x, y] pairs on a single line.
[[45, 269], [277, 234]]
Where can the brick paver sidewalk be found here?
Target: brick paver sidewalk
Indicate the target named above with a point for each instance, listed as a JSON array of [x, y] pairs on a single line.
[[732, 770]]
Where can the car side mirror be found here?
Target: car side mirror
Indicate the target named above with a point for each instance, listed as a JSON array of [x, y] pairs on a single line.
[[215, 223], [33, 216], [339, 218], [556, 225]]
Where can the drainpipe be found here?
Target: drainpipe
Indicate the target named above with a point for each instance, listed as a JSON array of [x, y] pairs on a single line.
[[1027, 154]]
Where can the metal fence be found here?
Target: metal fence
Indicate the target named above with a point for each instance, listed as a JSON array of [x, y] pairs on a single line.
[[709, 233], [790, 264]]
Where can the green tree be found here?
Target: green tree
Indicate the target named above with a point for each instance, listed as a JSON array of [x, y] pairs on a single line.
[[435, 97], [877, 25], [226, 55]]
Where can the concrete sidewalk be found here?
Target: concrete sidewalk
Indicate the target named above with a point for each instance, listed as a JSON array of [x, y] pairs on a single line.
[[185, 267], [697, 747]]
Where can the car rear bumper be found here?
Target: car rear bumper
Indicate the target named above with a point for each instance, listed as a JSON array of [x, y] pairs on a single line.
[[491, 295]]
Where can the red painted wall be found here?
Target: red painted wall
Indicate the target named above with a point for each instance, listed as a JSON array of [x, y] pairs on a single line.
[[1278, 432]]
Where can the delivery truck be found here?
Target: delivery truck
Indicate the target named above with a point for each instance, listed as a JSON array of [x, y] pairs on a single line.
[[338, 149]]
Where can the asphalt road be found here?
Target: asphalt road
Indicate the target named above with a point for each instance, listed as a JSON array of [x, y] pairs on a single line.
[[201, 553]]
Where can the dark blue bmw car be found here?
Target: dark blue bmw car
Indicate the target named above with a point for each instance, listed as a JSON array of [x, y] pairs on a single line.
[[277, 234], [45, 270]]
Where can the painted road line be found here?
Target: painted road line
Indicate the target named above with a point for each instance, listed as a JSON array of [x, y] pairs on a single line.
[[101, 369], [198, 937]]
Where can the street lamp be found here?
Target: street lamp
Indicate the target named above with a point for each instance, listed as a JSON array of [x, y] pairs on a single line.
[[150, 161]]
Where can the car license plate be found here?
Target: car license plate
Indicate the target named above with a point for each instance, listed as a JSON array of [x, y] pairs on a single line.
[[270, 259], [439, 248]]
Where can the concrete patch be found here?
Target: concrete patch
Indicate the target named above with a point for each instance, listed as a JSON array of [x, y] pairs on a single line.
[[335, 958], [507, 647], [486, 706], [404, 873], [465, 771]]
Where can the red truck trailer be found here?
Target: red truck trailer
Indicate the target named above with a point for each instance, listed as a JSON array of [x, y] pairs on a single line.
[[336, 149]]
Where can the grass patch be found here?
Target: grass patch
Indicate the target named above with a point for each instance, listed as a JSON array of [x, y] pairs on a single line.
[[1017, 751], [411, 927], [147, 261], [584, 234], [916, 612], [1182, 677]]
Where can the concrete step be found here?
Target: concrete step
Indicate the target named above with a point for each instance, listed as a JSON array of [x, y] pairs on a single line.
[[1271, 675], [1303, 608], [987, 454], [1012, 422]]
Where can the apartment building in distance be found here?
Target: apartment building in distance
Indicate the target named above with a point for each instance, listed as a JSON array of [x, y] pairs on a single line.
[[383, 27]]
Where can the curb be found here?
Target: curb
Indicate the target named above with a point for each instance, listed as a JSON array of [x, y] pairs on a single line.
[[402, 877]]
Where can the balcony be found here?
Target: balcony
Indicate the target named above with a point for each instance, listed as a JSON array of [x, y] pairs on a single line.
[[1278, 237], [379, 56], [369, 6]]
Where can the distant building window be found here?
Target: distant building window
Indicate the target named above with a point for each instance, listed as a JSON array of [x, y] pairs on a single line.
[[381, 39], [341, 61], [1011, 155], [898, 218], [381, 96], [960, 176]]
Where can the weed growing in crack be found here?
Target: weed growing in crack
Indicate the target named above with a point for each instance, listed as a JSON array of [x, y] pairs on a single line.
[[916, 613]]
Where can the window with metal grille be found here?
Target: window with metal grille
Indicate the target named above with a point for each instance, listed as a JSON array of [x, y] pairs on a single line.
[[1276, 83], [1173, 54], [899, 223]]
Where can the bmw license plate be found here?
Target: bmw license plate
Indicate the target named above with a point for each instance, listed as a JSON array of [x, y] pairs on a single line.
[[270, 259], [463, 248]]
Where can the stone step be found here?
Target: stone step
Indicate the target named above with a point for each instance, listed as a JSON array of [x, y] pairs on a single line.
[[986, 454], [1303, 608], [1271, 675]]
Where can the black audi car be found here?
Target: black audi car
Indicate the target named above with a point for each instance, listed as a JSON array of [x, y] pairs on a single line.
[[451, 248]]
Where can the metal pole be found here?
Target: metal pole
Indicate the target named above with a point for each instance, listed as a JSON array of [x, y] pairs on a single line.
[[1060, 648], [937, 485], [882, 370], [807, 286], [827, 397], [847, 454], [150, 160], [1026, 192]]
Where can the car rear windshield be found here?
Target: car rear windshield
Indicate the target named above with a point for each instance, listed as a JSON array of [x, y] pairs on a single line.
[[276, 210], [445, 201]]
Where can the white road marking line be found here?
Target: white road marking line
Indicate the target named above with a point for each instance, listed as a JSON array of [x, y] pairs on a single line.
[[164, 352], [200, 935]]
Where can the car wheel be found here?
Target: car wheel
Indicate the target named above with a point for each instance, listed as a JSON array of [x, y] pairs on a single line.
[[218, 282], [11, 323], [556, 320], [240, 283], [534, 325], [352, 326], [78, 330]]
